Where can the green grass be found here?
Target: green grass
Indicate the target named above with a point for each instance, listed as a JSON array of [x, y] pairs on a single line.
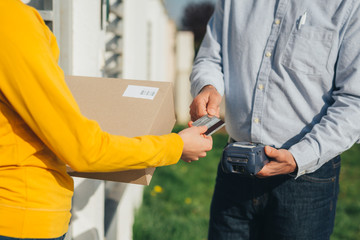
[[176, 204], [347, 221]]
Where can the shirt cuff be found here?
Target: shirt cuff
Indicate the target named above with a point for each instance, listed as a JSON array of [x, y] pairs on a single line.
[[305, 157], [199, 84]]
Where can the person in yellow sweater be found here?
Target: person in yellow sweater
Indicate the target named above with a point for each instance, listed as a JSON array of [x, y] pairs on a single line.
[[42, 130]]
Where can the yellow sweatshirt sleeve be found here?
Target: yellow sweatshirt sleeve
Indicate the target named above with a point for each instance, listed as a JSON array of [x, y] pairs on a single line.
[[34, 86]]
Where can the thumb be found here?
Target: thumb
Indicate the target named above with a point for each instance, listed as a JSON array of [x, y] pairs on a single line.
[[202, 129], [212, 106], [271, 152], [211, 111]]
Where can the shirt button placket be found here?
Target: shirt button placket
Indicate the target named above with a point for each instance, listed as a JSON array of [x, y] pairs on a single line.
[[264, 75]]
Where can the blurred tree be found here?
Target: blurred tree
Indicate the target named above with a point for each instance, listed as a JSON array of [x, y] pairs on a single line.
[[195, 18]]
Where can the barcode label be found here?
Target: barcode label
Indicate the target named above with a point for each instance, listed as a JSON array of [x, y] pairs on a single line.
[[140, 92]]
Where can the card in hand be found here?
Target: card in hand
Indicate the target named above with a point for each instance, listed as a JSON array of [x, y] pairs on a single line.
[[213, 124]]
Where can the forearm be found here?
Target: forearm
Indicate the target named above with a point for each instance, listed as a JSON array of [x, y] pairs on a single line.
[[337, 131], [207, 69], [116, 153]]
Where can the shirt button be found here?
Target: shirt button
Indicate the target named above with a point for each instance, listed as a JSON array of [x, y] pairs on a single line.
[[268, 54], [261, 86], [256, 120], [277, 21]]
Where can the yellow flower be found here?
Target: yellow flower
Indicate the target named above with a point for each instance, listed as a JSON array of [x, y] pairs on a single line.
[[158, 189], [153, 193], [188, 200]]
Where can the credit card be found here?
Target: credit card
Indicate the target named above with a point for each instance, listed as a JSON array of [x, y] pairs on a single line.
[[213, 124]]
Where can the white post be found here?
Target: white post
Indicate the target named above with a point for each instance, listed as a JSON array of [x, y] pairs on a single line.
[[184, 60]]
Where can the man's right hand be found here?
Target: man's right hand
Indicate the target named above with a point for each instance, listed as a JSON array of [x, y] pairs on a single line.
[[206, 102]]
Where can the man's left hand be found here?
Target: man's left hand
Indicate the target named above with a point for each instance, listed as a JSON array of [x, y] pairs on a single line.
[[282, 162]]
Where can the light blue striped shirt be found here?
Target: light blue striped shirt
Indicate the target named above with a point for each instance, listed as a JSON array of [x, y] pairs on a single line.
[[290, 72]]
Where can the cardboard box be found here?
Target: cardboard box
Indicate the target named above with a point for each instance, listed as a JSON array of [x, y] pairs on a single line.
[[128, 108]]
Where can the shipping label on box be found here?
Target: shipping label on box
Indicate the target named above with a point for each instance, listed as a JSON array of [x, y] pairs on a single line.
[[128, 108]]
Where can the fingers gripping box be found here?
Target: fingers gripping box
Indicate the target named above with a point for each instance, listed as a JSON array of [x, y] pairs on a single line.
[[125, 107]]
